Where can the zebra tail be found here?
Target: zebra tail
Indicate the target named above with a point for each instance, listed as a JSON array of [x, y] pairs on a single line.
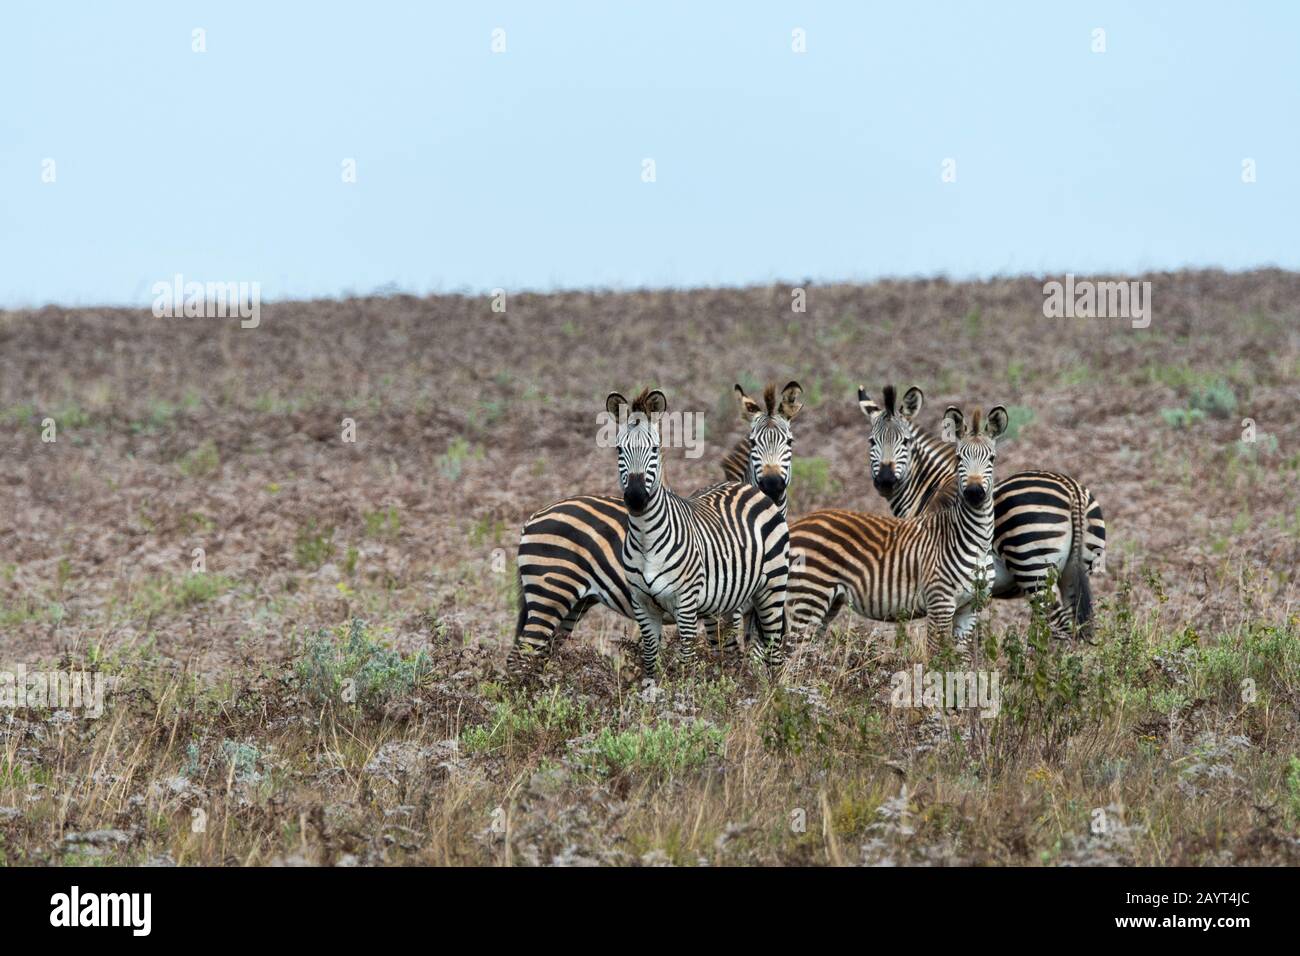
[[523, 605], [1075, 579], [1075, 572]]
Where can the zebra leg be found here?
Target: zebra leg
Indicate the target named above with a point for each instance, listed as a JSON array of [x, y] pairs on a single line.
[[651, 628], [769, 611], [811, 613], [737, 628], [963, 622], [535, 634], [939, 612], [1032, 582], [720, 635], [687, 619]]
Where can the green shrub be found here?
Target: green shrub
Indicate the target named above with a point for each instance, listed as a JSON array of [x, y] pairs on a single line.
[[790, 723], [519, 726], [1217, 399], [353, 668], [1266, 654], [1213, 400], [661, 749], [313, 547]]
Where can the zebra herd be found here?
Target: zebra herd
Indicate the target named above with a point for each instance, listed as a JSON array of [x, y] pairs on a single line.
[[705, 560]]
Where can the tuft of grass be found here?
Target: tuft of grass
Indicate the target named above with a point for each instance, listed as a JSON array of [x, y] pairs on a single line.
[[178, 593], [451, 463], [201, 462], [349, 667], [384, 525], [662, 749], [313, 546], [518, 726]]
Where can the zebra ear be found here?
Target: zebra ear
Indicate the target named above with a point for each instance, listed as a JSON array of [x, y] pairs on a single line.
[[869, 407], [997, 421], [748, 407], [791, 400], [912, 402], [613, 402], [954, 422], [656, 403]]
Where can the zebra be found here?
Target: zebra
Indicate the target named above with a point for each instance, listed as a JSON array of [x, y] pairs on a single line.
[[715, 552], [570, 553], [1044, 523], [764, 456], [897, 569]]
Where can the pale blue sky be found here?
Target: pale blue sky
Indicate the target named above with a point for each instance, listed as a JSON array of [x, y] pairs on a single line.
[[523, 169]]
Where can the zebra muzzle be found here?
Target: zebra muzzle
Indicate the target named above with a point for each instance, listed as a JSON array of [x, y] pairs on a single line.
[[885, 479], [773, 486], [635, 495]]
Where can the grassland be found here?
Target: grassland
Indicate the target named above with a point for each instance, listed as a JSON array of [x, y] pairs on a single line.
[[305, 636]]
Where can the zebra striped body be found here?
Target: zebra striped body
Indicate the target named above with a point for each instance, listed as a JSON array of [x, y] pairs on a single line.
[[570, 553], [717, 552], [1044, 523], [714, 554], [570, 559], [897, 569], [735, 463]]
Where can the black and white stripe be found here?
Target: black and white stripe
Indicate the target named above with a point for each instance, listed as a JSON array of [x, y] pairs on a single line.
[[713, 553], [570, 553], [1045, 524], [764, 457], [897, 569]]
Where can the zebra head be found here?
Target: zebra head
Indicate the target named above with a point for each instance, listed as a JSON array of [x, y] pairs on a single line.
[[891, 437], [771, 443], [639, 463], [976, 451]]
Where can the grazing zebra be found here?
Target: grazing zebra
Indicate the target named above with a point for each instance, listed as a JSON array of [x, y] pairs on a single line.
[[897, 569], [570, 553], [1042, 521], [718, 551]]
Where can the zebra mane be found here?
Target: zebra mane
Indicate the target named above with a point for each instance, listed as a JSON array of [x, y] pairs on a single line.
[[769, 398], [975, 422], [934, 478], [639, 403], [889, 399]]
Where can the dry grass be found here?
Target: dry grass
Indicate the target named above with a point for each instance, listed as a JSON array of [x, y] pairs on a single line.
[[229, 736], [1149, 756]]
